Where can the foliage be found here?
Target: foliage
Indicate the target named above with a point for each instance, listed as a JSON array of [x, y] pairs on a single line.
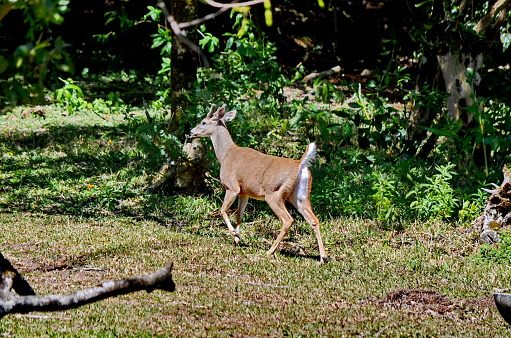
[[386, 203], [154, 144], [326, 92], [434, 198], [119, 22], [71, 96], [377, 123], [369, 122], [367, 186], [317, 123], [24, 69], [487, 143], [162, 39], [247, 66], [497, 253]]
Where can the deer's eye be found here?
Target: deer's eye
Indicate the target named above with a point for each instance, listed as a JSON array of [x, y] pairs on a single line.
[[203, 123]]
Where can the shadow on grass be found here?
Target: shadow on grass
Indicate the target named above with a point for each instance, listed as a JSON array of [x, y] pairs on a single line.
[[293, 254], [60, 169]]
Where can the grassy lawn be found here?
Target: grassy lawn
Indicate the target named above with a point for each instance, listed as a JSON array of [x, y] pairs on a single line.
[[74, 213]]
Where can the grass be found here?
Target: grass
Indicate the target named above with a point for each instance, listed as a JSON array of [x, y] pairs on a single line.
[[227, 290], [74, 213]]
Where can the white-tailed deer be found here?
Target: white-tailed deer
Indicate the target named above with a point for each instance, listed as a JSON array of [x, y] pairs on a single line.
[[246, 172]]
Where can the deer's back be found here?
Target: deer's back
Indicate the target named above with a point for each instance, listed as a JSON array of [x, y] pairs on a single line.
[[255, 174]]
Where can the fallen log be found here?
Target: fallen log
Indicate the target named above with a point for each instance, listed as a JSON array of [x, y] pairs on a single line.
[[27, 301], [497, 212]]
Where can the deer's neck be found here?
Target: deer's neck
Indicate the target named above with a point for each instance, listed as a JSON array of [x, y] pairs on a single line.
[[222, 143]]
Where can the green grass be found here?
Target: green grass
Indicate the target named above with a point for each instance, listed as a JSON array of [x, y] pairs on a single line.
[[72, 197], [227, 290]]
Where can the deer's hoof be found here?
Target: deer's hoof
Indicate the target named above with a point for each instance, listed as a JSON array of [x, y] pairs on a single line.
[[323, 260]]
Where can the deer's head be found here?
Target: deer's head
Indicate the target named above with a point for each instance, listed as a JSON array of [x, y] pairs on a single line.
[[212, 121]]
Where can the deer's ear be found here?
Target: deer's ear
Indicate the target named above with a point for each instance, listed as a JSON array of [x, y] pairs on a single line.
[[229, 116]]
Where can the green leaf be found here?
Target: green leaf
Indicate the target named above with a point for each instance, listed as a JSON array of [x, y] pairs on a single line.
[[422, 3], [441, 132], [4, 64], [341, 113], [323, 128], [355, 105]]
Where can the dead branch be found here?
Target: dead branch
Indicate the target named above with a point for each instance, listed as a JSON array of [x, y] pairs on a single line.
[[26, 301], [233, 5], [499, 6], [211, 16], [313, 76], [174, 25], [177, 28]]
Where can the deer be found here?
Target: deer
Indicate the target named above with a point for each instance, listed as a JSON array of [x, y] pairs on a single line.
[[247, 173]]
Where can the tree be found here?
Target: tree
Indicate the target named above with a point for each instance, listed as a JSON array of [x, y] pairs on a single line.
[[184, 62], [455, 41]]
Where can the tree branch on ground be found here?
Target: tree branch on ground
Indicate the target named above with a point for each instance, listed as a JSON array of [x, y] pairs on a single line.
[[27, 301]]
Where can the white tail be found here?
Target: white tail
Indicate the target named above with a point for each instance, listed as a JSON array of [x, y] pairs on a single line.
[[246, 172]]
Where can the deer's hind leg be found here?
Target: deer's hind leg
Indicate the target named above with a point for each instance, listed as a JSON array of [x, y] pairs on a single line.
[[300, 199], [242, 204]]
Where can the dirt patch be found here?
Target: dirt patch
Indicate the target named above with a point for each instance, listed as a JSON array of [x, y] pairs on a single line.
[[47, 264], [432, 302]]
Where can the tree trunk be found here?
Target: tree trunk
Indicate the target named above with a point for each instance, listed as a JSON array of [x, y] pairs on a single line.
[[183, 62], [454, 70], [185, 173]]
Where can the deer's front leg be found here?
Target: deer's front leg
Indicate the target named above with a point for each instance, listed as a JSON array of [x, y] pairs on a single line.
[[229, 198]]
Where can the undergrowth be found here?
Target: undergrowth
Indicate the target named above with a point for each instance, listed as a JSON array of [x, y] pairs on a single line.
[[91, 165], [498, 252]]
